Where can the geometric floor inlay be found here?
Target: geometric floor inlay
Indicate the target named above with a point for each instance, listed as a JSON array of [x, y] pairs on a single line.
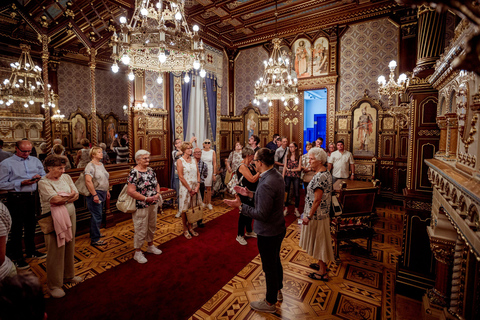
[[350, 308], [363, 276]]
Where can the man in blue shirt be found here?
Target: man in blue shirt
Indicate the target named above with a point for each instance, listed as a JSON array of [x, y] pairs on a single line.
[[19, 175], [272, 145]]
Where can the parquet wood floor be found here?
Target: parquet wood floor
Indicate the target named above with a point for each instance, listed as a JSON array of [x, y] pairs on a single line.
[[360, 287]]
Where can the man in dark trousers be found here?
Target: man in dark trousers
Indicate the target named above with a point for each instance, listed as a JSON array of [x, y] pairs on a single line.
[[269, 225]]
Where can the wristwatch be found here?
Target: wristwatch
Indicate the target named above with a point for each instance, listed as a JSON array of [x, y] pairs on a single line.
[[240, 208]]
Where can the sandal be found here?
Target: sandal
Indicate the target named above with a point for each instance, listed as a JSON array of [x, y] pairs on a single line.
[[316, 276], [316, 266], [187, 235], [99, 243], [194, 233]]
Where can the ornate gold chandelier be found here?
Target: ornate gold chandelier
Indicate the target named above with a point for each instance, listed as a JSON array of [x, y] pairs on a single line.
[[277, 82], [25, 84], [394, 88], [158, 38]]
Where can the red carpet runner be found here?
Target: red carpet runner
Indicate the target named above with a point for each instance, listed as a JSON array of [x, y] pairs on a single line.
[[172, 285]]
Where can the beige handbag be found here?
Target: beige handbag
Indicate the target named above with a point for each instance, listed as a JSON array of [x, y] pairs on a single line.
[[82, 186], [194, 213], [125, 203], [45, 221]]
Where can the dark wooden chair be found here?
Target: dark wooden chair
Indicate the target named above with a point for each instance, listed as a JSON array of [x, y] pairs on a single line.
[[353, 212]]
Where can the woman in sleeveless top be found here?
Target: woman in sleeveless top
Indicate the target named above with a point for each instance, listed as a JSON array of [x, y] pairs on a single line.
[[247, 177], [291, 174], [83, 155], [210, 159], [189, 177]]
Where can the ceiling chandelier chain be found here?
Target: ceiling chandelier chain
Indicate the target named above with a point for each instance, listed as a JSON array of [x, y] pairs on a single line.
[[158, 38], [393, 89], [277, 82], [25, 84]]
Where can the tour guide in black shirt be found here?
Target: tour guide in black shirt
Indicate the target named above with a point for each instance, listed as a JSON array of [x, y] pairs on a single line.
[[269, 224]]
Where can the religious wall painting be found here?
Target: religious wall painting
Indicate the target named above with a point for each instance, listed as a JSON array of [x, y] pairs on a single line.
[[320, 56], [364, 130], [79, 128], [251, 122], [111, 129], [303, 58]]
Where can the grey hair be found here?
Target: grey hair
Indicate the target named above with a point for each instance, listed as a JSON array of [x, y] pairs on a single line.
[[57, 141], [102, 145], [318, 154], [43, 146], [140, 153]]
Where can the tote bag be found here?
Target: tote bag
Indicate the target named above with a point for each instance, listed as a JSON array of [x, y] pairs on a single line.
[[125, 203], [82, 186], [194, 213]]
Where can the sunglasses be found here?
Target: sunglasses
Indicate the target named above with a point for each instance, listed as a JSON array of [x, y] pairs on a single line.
[[24, 151], [206, 142]]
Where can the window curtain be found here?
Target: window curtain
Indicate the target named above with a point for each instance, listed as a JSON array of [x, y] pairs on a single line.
[[211, 88], [197, 121], [186, 92]]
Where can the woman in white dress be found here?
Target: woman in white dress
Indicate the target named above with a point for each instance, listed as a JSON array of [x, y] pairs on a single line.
[[315, 237], [189, 177], [210, 159]]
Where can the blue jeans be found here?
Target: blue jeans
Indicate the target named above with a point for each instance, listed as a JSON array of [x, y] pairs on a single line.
[[296, 189], [176, 184], [96, 209]]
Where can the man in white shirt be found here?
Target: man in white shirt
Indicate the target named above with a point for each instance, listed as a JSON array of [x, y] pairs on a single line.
[[280, 154], [340, 162]]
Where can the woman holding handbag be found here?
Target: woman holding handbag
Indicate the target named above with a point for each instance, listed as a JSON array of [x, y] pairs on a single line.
[[143, 187], [189, 177], [57, 191], [96, 181], [307, 172]]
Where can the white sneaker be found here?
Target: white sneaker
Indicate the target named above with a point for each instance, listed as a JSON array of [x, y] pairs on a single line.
[[154, 250], [250, 234], [178, 215], [285, 212], [203, 205], [209, 206], [297, 214], [139, 257], [57, 293], [76, 279], [300, 221], [241, 240]]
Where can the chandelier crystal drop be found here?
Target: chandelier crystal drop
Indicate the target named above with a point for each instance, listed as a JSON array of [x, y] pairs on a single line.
[[158, 38], [392, 89], [25, 84], [277, 82]]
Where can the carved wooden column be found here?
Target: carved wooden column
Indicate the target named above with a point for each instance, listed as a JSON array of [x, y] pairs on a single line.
[[416, 266], [131, 137], [442, 145], [452, 135], [232, 55], [47, 129], [92, 65]]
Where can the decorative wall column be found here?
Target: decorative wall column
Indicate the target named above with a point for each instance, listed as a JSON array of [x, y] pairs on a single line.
[[130, 121], [442, 145], [416, 271], [92, 65], [452, 136], [47, 129]]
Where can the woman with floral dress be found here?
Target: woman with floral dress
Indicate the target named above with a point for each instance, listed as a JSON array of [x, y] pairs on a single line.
[[143, 187], [291, 174], [315, 238], [189, 177]]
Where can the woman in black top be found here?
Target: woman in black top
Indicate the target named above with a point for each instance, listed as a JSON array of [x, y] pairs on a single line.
[[247, 177]]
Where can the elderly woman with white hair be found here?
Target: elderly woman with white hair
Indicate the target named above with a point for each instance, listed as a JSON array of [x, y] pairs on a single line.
[[143, 187], [315, 238], [210, 159]]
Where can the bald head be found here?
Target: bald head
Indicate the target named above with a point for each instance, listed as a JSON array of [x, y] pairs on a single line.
[[197, 153], [23, 148]]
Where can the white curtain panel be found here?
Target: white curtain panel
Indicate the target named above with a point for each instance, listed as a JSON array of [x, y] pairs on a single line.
[[197, 117]]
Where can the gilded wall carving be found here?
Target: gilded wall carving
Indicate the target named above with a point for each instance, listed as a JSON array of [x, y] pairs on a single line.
[[365, 51]]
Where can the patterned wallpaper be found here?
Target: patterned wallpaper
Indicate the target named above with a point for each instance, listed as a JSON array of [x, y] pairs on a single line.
[[224, 106], [365, 51], [74, 90], [248, 69], [111, 92], [153, 90]]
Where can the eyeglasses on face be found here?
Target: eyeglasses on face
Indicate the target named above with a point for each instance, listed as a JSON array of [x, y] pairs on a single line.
[[24, 151]]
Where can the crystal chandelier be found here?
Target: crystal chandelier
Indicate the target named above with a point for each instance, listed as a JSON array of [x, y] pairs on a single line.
[[276, 83], [394, 88], [57, 116], [25, 84], [143, 108], [158, 38]]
